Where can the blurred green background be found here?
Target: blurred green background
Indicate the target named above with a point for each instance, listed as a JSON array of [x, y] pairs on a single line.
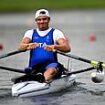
[[31, 5]]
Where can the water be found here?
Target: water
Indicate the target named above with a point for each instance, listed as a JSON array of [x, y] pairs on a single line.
[[77, 26]]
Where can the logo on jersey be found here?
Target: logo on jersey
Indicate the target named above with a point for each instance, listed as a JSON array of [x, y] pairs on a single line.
[[41, 45]]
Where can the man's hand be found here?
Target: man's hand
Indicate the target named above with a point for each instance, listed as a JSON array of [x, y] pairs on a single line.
[[32, 46], [50, 48]]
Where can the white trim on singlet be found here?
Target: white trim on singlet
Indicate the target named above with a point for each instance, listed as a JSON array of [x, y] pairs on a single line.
[[57, 34]]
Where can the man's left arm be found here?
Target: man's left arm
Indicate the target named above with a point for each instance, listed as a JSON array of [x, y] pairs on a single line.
[[62, 45]]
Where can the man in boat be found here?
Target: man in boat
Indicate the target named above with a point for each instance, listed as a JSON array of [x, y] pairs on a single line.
[[43, 43]]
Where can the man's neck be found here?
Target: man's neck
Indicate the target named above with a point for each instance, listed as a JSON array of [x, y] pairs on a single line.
[[44, 29]]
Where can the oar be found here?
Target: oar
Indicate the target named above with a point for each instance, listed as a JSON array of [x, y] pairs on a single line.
[[11, 53], [12, 69], [94, 63], [22, 71], [96, 77], [81, 71]]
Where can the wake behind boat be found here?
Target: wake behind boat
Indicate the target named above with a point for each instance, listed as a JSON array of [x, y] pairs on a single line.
[[34, 88]]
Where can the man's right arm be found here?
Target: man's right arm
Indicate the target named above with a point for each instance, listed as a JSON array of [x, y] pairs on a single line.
[[27, 45], [24, 43]]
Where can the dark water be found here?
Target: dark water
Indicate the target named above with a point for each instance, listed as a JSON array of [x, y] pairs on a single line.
[[78, 26]]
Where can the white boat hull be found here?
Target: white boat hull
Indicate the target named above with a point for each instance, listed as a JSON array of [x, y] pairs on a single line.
[[34, 88]]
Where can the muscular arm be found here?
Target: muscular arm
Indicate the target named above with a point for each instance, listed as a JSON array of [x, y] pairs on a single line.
[[26, 44], [62, 45]]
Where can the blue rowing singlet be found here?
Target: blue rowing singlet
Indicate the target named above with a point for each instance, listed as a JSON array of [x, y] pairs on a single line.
[[39, 55]]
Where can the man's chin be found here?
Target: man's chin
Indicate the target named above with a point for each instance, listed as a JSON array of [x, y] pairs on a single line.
[[43, 28]]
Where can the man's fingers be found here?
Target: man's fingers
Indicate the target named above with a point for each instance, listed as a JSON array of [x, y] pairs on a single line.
[[49, 48], [32, 46]]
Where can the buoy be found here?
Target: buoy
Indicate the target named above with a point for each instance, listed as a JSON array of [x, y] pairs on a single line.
[[1, 46], [92, 37]]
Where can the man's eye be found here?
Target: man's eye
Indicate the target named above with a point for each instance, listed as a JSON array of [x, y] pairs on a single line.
[[42, 19], [38, 19]]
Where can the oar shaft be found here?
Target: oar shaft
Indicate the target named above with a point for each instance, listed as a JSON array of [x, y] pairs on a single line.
[[11, 53], [74, 57], [92, 62], [80, 71], [22, 71], [12, 69]]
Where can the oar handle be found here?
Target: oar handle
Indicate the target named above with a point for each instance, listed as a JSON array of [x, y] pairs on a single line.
[[12, 53]]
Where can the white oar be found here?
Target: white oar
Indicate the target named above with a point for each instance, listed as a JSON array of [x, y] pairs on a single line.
[[11, 53]]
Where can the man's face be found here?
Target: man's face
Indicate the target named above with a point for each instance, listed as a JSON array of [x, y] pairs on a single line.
[[42, 22]]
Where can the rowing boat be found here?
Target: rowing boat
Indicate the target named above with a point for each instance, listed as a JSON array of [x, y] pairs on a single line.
[[35, 88]]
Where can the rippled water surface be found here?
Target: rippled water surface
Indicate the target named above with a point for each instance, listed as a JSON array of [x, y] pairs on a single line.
[[78, 26]]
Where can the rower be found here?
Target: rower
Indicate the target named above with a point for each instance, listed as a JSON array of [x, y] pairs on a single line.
[[43, 42]]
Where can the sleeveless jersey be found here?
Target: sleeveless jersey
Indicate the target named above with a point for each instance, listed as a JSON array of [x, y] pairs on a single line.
[[39, 55]]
